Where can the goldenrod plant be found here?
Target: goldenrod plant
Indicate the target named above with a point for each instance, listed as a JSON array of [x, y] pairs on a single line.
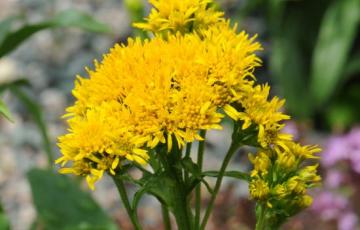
[[147, 101]]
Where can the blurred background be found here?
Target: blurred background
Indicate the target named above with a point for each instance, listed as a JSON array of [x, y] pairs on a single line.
[[311, 57]]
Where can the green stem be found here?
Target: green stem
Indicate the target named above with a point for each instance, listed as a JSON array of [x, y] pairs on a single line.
[[198, 187], [166, 217], [180, 200], [187, 155], [181, 210], [124, 198], [260, 218], [233, 147]]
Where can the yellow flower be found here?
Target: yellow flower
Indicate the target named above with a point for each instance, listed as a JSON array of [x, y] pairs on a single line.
[[261, 163], [286, 161], [259, 189], [296, 185], [280, 191], [305, 201], [304, 152], [155, 91], [257, 108], [309, 174], [183, 16]]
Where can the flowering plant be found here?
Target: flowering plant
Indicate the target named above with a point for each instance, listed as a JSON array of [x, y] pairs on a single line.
[[148, 100]]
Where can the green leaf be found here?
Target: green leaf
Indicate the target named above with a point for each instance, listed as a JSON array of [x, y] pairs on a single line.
[[4, 222], [68, 18], [3, 108], [78, 19], [352, 67], [137, 197], [136, 10], [8, 85], [5, 26], [233, 174], [196, 176], [289, 68], [35, 110], [191, 167], [291, 52], [5, 111], [159, 185], [61, 204], [337, 33]]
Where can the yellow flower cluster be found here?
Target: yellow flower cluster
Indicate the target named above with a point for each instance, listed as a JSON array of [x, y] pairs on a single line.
[[280, 177], [180, 16], [166, 90], [156, 91]]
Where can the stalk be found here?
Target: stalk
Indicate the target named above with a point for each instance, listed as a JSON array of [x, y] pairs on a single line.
[[124, 198], [198, 187], [181, 209], [166, 217], [260, 218], [187, 155], [233, 147]]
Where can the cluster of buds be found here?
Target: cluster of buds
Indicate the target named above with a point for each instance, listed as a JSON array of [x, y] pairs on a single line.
[[281, 177]]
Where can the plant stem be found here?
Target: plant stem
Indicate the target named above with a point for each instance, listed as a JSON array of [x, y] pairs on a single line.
[[233, 147], [198, 187], [181, 209], [260, 218], [166, 217], [187, 155], [124, 198]]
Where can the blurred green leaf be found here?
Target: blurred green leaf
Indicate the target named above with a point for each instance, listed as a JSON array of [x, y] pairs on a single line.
[[352, 67], [4, 222], [5, 111], [5, 26], [36, 112], [136, 9], [68, 18], [8, 85], [344, 111], [289, 68], [61, 204], [78, 19], [337, 32], [340, 116], [290, 51]]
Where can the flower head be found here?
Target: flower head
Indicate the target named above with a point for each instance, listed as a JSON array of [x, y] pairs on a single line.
[[155, 91], [184, 16]]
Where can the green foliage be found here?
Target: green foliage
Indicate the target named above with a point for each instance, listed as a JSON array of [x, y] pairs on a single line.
[[159, 185], [5, 111], [289, 60], [3, 108], [36, 111], [4, 222], [68, 18], [337, 33], [33, 108], [5, 26], [61, 204], [136, 10]]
